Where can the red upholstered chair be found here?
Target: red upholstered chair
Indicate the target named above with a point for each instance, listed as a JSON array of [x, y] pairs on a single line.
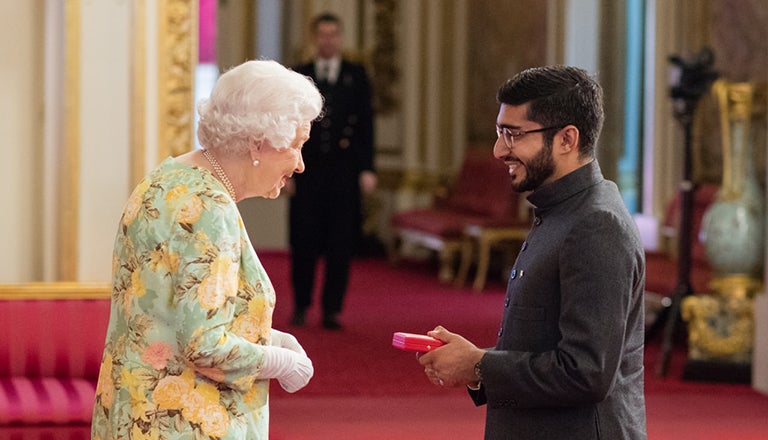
[[50, 353], [661, 266], [481, 199]]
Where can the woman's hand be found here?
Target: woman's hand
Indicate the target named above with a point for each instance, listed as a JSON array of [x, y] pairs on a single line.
[[286, 340], [286, 361]]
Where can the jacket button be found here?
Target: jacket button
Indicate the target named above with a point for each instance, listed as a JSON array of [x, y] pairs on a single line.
[[501, 332], [537, 221], [524, 246], [513, 274], [506, 302]]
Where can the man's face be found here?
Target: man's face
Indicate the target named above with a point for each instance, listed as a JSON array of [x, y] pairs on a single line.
[[530, 160], [328, 39]]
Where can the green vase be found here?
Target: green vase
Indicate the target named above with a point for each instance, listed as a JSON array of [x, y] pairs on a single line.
[[733, 228]]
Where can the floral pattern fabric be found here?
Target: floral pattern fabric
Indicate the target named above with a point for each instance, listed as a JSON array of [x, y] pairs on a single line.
[[191, 313]]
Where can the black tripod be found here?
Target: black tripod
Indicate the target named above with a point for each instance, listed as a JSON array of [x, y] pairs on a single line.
[[693, 78]]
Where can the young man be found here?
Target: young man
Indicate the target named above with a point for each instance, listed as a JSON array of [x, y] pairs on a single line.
[[325, 208], [568, 362]]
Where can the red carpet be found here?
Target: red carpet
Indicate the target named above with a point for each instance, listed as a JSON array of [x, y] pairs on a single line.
[[365, 389], [380, 301]]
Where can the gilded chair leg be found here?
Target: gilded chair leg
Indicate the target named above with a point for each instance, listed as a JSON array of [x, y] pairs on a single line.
[[446, 265], [393, 251], [465, 262], [483, 261]]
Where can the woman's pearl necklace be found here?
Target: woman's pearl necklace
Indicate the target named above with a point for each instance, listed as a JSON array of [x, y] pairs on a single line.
[[220, 174]]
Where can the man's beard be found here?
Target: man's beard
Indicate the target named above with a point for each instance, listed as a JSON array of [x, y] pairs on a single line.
[[538, 170]]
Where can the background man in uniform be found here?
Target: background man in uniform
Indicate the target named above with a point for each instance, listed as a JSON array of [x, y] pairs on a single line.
[[325, 208]]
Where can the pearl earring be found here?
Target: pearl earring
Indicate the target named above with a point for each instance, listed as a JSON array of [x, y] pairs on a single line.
[[256, 162]]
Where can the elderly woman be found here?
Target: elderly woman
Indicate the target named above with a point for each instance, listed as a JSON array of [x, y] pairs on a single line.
[[190, 348]]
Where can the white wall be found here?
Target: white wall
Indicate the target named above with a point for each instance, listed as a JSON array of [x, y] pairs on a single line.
[[582, 25], [266, 221], [21, 78], [105, 87], [33, 143]]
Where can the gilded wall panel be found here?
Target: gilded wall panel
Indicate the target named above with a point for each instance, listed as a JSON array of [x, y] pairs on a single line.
[[177, 57], [504, 38]]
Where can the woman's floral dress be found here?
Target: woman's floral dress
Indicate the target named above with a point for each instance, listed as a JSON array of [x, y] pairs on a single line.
[[191, 313]]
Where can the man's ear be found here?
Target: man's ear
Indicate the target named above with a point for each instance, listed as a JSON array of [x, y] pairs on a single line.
[[569, 139]]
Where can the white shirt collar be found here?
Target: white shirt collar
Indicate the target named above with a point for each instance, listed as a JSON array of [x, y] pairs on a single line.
[[333, 66]]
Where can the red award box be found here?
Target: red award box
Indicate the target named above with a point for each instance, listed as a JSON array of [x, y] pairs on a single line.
[[415, 342]]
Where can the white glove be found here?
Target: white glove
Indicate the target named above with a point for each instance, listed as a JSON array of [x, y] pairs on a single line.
[[290, 366], [286, 340]]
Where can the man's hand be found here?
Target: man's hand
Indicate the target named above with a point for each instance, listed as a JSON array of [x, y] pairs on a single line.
[[453, 364], [368, 182]]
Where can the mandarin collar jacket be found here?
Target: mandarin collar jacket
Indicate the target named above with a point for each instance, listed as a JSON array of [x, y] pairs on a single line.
[[568, 362]]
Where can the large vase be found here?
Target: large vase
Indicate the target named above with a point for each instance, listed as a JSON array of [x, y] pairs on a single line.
[[733, 227]]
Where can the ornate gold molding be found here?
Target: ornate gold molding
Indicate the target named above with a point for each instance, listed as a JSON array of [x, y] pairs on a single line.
[[138, 100], [719, 327], [735, 106], [69, 188], [54, 291], [737, 285], [177, 57], [385, 69]]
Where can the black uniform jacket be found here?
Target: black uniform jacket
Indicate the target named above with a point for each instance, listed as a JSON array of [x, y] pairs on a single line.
[[339, 148]]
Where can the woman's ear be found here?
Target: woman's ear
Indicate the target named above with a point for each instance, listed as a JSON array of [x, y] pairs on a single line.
[[256, 148]]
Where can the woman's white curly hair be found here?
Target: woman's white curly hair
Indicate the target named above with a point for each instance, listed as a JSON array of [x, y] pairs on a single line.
[[254, 102]]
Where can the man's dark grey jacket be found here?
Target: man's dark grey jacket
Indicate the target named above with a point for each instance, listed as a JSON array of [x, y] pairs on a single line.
[[569, 359]]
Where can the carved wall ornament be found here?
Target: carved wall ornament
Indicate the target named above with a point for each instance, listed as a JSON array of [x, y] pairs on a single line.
[[177, 55], [385, 72], [67, 230]]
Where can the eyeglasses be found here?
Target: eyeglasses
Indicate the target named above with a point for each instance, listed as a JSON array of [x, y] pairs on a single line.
[[510, 134]]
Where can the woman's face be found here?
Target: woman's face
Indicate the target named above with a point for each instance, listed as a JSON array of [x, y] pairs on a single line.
[[278, 165]]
